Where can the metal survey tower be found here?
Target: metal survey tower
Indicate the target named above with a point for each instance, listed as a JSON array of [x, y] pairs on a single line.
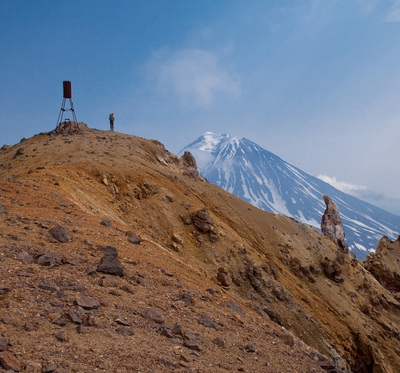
[[67, 96]]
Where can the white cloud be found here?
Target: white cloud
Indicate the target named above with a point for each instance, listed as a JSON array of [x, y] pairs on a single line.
[[194, 75], [344, 186], [394, 13]]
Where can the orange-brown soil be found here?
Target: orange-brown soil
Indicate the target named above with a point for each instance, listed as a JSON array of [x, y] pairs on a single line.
[[229, 287]]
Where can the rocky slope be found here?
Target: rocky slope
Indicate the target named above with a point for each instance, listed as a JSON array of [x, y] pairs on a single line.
[[196, 279], [261, 178]]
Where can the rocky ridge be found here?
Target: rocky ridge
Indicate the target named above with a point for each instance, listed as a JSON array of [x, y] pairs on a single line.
[[194, 280]]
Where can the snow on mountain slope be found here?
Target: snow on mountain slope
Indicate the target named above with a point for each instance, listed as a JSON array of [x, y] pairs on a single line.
[[266, 181]]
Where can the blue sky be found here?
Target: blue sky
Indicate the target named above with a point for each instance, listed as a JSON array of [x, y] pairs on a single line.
[[317, 82]]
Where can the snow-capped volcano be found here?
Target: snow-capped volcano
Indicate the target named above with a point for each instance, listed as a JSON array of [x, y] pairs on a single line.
[[266, 181]]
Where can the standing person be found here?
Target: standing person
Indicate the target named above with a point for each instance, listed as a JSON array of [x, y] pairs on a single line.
[[112, 118]]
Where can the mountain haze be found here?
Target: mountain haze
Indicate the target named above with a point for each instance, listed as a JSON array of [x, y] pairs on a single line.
[[117, 256], [266, 181]]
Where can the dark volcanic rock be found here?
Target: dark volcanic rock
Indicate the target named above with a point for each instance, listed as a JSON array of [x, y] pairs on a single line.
[[133, 238], [2, 209], [192, 345], [235, 307], [250, 348], [153, 315], [108, 250], [123, 330], [25, 257], [3, 344], [61, 336], [106, 223], [18, 153], [47, 260], [60, 234], [208, 322], [331, 224], [111, 265]]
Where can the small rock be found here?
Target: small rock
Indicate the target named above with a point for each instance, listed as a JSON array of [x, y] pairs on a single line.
[[108, 250], [62, 321], [29, 327], [166, 331], [18, 153], [61, 336], [250, 348], [153, 315], [177, 330], [127, 288], [60, 234], [177, 239], [87, 303], [287, 340], [192, 345], [4, 290], [74, 317], [3, 344], [220, 342], [208, 322], [33, 367], [2, 209], [122, 322], [106, 223], [47, 260], [9, 361], [123, 330], [50, 368], [48, 286], [111, 265], [133, 238], [235, 307], [81, 329], [212, 291], [25, 257], [224, 279]]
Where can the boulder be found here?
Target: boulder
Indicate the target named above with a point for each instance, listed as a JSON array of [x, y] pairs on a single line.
[[60, 234], [153, 315], [331, 224], [202, 220], [133, 238], [108, 250], [111, 265]]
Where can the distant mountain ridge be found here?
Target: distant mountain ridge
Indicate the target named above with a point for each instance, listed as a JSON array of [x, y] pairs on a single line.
[[261, 178]]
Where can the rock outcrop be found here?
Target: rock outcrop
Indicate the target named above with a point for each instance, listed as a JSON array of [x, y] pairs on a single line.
[[69, 128], [189, 166], [384, 264], [331, 224]]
